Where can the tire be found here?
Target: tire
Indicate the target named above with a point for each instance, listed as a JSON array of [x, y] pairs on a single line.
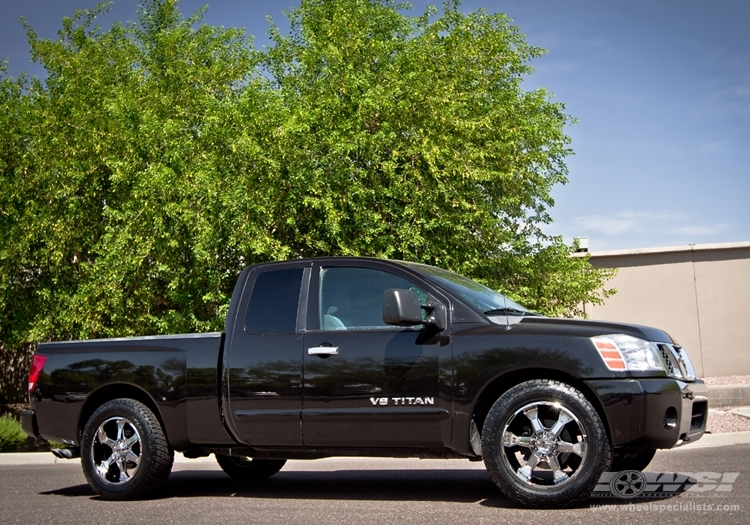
[[545, 445], [124, 452], [249, 469], [632, 459]]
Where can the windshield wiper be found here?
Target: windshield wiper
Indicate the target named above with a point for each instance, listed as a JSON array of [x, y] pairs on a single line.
[[511, 311]]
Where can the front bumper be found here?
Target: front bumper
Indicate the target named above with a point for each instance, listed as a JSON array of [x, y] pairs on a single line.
[[653, 413], [694, 410]]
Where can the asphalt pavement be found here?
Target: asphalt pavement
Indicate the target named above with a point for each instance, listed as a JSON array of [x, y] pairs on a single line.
[[368, 490]]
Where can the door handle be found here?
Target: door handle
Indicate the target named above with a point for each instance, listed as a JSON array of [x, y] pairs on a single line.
[[323, 350]]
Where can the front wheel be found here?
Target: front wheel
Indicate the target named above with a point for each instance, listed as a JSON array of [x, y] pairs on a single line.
[[544, 444], [124, 453], [249, 469]]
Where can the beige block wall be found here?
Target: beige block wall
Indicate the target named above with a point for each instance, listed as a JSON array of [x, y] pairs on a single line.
[[699, 295], [723, 290]]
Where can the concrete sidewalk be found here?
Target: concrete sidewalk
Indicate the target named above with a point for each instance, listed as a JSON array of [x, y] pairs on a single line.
[[46, 458]]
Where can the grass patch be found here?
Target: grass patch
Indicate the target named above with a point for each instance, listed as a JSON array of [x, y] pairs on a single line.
[[12, 435]]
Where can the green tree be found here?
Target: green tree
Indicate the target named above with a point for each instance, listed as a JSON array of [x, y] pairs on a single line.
[[158, 158], [412, 138]]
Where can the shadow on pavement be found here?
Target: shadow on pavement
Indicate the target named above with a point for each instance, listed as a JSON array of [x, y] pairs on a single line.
[[464, 486], [458, 486]]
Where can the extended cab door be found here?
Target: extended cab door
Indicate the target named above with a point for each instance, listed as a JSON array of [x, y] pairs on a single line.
[[263, 370], [368, 384]]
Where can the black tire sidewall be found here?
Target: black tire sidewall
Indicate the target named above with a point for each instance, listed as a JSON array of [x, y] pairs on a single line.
[[138, 415], [598, 453]]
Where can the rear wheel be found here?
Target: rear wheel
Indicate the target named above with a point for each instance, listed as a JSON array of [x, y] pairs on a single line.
[[124, 453], [544, 444], [249, 469]]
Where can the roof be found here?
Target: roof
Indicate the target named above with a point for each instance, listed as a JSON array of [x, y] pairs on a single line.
[[672, 249]]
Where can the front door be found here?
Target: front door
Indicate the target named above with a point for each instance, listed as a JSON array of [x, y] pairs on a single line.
[[367, 384]]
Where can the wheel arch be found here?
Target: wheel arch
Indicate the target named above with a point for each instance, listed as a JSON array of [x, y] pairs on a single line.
[[501, 384], [114, 391]]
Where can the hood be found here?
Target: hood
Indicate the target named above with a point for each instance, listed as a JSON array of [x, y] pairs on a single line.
[[580, 327]]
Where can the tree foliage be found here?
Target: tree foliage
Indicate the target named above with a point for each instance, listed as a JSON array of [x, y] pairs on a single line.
[[158, 158]]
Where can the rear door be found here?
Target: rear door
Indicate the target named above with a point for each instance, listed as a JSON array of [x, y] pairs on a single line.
[[368, 384]]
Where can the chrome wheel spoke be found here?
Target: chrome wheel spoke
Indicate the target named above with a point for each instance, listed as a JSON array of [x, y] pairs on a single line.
[[527, 471], [133, 458], [562, 420], [557, 473], [533, 415], [104, 439], [512, 440], [103, 467], [120, 429], [132, 440], [122, 465], [572, 448], [534, 460]]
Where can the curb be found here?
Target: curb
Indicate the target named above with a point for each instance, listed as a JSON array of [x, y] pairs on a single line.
[[742, 412], [47, 458], [728, 396], [716, 440]]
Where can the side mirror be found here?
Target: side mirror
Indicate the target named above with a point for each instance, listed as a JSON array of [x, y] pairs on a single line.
[[436, 316], [401, 308]]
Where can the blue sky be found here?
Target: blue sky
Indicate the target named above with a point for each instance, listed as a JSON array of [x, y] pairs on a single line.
[[661, 90]]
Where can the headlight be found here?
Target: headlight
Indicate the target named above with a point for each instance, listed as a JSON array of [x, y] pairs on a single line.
[[623, 352]]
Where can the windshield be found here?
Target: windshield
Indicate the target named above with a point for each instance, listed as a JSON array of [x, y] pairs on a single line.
[[485, 299]]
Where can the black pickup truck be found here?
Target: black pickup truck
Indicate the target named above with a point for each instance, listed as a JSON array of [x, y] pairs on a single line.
[[366, 357]]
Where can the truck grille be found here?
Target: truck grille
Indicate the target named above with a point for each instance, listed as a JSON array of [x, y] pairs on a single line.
[[677, 361], [667, 360]]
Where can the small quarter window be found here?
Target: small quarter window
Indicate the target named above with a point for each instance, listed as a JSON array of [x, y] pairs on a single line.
[[274, 302]]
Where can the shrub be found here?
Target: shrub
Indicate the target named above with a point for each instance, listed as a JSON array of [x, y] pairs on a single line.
[[11, 434]]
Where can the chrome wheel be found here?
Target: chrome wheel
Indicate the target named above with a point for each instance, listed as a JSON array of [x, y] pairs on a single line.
[[116, 450], [544, 444], [124, 452]]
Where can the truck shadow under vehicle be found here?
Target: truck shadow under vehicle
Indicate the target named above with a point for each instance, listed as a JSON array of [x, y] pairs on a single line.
[[438, 485]]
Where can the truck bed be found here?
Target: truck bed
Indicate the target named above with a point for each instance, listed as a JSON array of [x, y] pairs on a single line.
[[176, 373]]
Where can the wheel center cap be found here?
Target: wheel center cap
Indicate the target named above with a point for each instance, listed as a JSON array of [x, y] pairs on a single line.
[[545, 443]]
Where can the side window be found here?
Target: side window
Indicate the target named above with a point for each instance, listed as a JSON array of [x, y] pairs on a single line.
[[352, 298], [274, 301]]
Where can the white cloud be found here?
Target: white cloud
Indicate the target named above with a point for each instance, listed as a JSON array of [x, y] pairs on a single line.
[[719, 146], [605, 225], [698, 231], [639, 222], [622, 222]]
